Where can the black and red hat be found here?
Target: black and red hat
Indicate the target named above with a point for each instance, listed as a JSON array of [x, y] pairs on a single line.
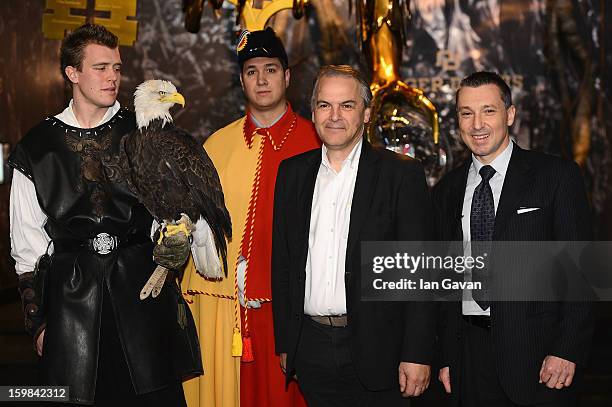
[[263, 43]]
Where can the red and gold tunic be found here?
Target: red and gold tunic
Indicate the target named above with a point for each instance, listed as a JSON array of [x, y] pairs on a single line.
[[247, 159]]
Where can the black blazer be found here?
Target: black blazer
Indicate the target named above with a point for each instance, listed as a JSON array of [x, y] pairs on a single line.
[[390, 202], [523, 333]]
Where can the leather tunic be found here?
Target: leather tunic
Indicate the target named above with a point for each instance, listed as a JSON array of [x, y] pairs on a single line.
[[80, 187]]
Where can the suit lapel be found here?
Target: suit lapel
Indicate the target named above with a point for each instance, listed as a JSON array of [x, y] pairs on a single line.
[[305, 200], [516, 180], [367, 174], [457, 197]]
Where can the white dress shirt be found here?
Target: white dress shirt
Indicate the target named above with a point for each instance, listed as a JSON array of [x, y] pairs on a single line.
[[330, 216], [500, 165], [29, 240]]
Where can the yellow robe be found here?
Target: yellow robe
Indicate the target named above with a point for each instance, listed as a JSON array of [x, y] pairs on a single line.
[[220, 384], [214, 309]]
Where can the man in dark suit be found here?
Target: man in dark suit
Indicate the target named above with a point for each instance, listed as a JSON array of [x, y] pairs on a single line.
[[509, 353], [344, 351]]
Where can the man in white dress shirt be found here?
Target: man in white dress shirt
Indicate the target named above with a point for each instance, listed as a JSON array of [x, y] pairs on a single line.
[[344, 351], [80, 239]]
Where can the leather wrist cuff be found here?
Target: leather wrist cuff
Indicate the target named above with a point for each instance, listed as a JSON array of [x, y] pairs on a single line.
[[34, 319]]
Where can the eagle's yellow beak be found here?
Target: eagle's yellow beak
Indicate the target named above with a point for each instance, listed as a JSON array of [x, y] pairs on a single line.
[[175, 98]]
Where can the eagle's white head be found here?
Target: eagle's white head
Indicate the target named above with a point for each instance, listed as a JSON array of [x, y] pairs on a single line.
[[153, 100]]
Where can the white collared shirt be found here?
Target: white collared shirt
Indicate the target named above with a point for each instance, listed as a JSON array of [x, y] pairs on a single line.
[[500, 165], [330, 216], [29, 240]]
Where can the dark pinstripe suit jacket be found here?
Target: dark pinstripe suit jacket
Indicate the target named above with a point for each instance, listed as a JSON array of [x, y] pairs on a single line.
[[522, 333]]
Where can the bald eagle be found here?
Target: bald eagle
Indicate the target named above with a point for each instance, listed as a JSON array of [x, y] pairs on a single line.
[[174, 177]]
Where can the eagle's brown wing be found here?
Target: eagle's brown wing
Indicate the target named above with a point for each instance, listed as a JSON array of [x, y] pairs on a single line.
[[172, 174]]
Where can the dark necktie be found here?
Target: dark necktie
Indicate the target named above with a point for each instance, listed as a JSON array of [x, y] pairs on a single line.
[[482, 223]]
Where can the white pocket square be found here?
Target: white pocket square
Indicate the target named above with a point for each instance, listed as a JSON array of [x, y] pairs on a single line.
[[525, 210]]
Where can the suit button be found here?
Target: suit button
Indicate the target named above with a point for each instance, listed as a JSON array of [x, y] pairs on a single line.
[[297, 316]]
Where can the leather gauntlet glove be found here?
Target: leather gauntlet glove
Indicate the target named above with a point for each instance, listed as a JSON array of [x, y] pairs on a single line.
[[31, 302], [173, 251]]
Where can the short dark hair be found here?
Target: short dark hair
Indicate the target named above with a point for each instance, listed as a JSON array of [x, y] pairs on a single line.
[[345, 71], [481, 78], [73, 46]]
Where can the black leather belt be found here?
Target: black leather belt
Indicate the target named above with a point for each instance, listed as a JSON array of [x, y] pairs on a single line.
[[102, 243], [330, 320], [481, 321]]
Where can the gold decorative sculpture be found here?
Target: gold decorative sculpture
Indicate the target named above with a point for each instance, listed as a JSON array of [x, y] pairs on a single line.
[[251, 14], [403, 118], [113, 14], [59, 20], [118, 23]]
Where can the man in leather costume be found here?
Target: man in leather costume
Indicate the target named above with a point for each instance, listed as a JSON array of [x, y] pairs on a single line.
[[82, 246]]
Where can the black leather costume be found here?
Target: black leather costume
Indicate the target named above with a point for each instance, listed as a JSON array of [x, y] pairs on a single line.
[[81, 190]]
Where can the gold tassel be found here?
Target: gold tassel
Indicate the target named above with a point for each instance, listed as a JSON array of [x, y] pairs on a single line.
[[236, 343]]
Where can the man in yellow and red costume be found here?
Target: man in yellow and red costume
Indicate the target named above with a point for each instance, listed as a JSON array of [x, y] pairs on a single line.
[[234, 316]]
